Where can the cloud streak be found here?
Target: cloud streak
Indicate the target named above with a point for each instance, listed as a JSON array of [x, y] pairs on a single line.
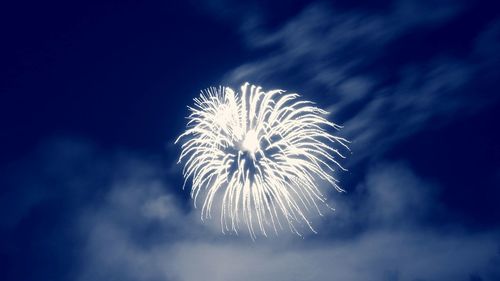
[[139, 232], [341, 58]]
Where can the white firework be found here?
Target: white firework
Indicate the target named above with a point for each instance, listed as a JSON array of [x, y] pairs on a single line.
[[259, 156]]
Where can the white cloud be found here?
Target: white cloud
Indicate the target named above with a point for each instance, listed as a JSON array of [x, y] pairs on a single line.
[[375, 256], [139, 232], [329, 54]]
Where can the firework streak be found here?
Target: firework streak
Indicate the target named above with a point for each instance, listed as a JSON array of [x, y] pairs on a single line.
[[256, 158]]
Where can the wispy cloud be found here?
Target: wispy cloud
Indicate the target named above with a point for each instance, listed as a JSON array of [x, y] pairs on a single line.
[[341, 58], [139, 232]]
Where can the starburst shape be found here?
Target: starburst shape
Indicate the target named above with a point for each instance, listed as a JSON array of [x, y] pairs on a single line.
[[257, 158]]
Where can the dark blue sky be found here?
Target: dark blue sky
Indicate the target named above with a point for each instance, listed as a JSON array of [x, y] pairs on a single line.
[[92, 95]]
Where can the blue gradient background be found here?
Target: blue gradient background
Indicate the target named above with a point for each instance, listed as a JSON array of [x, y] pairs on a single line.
[[93, 94]]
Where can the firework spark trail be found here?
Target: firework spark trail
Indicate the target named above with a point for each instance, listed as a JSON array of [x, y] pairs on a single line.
[[263, 153]]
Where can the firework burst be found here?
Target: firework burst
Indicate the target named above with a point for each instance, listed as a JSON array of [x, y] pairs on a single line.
[[258, 156]]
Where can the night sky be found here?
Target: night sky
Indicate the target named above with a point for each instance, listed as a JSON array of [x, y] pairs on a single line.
[[94, 94]]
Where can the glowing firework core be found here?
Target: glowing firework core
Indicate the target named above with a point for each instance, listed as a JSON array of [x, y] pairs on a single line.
[[260, 154], [251, 143]]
